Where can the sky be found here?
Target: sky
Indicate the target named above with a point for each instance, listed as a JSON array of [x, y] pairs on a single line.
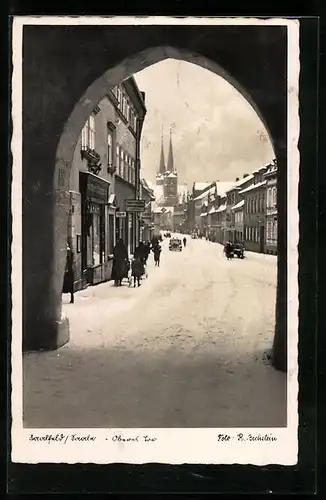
[[216, 133]]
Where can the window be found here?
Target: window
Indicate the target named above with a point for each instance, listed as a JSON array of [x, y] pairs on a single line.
[[274, 196], [88, 133], [128, 110], [269, 197], [92, 132], [117, 158], [110, 147], [119, 97], [132, 116], [125, 170], [133, 176], [256, 235], [121, 162], [129, 170]]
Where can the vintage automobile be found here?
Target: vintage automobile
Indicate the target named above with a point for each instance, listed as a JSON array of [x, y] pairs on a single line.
[[238, 250], [175, 245]]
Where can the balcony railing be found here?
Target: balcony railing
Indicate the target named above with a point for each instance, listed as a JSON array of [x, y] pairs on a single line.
[[92, 158]]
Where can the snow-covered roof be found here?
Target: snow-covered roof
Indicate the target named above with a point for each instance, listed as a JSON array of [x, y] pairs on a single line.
[[253, 186], [205, 193], [223, 186], [238, 205], [221, 208], [172, 175], [203, 215], [240, 182], [199, 186], [220, 187], [212, 211]]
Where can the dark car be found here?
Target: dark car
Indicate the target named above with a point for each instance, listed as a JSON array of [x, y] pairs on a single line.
[[238, 250], [175, 244]]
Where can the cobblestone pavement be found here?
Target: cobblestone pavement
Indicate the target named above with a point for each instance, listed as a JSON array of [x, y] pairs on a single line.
[[186, 349]]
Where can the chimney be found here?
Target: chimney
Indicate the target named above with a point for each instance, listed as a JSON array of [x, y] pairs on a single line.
[[245, 175], [236, 179]]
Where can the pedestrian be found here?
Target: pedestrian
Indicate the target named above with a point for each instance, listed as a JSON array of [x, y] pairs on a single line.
[[141, 253], [228, 250], [69, 277], [184, 241], [157, 254], [136, 270], [120, 260]]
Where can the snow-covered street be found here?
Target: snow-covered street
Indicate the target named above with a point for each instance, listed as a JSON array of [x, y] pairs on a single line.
[[183, 350]]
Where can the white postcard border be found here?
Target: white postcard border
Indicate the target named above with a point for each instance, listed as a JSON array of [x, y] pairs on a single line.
[[171, 446]]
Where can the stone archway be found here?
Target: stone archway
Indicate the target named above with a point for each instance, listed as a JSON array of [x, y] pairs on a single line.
[[46, 194]]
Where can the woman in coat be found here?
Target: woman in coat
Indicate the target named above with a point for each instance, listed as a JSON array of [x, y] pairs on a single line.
[[120, 259], [69, 277]]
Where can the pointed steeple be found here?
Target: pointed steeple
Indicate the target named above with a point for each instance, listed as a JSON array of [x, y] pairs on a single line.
[[161, 168], [170, 165]]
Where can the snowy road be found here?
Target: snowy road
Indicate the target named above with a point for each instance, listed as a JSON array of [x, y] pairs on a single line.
[[183, 350]]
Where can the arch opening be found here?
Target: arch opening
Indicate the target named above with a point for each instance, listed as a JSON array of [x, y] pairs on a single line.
[[73, 126]]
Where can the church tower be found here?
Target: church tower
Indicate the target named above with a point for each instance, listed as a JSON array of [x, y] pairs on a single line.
[[171, 179], [161, 169]]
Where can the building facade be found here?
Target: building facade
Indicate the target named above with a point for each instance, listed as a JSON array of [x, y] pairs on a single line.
[[254, 212], [233, 198], [105, 172], [146, 217], [271, 208]]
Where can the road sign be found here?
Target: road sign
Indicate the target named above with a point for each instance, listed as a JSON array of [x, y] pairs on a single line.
[[135, 205], [121, 215]]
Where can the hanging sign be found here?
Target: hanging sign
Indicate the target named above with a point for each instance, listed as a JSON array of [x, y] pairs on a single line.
[[121, 215], [135, 205]]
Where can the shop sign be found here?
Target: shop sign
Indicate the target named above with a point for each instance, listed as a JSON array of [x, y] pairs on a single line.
[[97, 189], [121, 215], [135, 205], [93, 208]]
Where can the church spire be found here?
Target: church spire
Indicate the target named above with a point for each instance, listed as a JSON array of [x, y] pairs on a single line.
[[170, 165], [161, 169]]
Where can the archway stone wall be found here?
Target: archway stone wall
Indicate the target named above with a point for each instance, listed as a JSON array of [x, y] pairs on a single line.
[[66, 73]]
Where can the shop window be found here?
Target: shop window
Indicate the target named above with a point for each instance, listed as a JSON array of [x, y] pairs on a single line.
[[110, 234], [95, 236]]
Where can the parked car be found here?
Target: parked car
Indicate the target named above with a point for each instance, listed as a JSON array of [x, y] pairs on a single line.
[[238, 250], [175, 245]]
